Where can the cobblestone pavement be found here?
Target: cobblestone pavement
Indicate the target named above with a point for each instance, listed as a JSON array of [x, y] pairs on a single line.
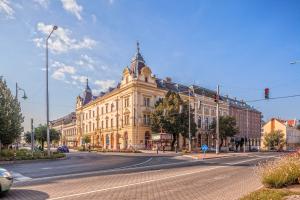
[[227, 178]]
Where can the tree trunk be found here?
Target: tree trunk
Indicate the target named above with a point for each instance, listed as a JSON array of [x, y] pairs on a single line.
[[173, 142], [42, 145], [220, 145]]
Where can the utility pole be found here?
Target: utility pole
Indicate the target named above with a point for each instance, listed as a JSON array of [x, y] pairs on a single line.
[[47, 92], [190, 136], [217, 121], [32, 137]]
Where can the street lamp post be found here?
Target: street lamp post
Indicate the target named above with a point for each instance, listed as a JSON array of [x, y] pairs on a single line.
[[24, 97], [47, 92], [17, 92]]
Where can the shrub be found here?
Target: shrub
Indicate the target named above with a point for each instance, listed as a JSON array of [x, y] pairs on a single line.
[[281, 172]]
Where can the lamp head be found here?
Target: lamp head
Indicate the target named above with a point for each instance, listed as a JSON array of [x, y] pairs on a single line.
[[24, 96], [55, 27]]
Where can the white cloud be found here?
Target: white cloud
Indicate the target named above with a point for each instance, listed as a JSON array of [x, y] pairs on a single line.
[[86, 62], [103, 85], [61, 69], [72, 7], [60, 41], [6, 9], [43, 3], [111, 1], [80, 79]]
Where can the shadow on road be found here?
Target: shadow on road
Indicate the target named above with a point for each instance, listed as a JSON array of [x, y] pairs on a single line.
[[24, 194]]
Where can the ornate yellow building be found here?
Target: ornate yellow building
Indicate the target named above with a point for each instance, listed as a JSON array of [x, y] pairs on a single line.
[[120, 117]]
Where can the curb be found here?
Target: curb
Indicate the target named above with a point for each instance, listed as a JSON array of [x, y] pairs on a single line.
[[30, 161]]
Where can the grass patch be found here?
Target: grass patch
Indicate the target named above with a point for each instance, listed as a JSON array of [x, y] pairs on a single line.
[[269, 194], [280, 172], [24, 154]]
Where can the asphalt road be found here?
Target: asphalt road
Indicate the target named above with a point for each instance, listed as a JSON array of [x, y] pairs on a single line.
[[138, 177]]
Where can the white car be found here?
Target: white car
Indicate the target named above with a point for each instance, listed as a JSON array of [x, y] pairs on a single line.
[[6, 180]]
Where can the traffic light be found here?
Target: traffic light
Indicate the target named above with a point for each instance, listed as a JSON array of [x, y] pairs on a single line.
[[267, 93], [216, 98]]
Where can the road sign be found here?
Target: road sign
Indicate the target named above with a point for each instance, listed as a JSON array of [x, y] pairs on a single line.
[[204, 147]]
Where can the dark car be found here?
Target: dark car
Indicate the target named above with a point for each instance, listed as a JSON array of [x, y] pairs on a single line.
[[63, 149]]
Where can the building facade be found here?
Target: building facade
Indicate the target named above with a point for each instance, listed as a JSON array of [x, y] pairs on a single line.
[[66, 126], [249, 123], [120, 117], [291, 133]]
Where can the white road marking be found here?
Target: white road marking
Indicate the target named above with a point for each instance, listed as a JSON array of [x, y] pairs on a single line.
[[19, 177], [150, 181]]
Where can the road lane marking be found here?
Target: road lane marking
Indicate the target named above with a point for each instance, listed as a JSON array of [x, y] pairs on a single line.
[[150, 181]]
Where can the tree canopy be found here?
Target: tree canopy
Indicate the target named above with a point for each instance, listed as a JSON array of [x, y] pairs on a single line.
[[40, 135], [227, 128], [274, 139], [11, 118], [171, 115]]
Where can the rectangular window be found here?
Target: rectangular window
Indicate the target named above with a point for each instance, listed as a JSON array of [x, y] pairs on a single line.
[[111, 107], [102, 124], [106, 108], [89, 114], [146, 101], [106, 124], [112, 122], [146, 119], [199, 122], [126, 102], [101, 110], [126, 120]]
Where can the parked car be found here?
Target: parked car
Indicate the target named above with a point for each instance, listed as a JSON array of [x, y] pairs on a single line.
[[6, 180], [63, 149]]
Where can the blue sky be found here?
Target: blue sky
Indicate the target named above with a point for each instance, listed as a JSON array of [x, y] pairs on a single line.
[[243, 45]]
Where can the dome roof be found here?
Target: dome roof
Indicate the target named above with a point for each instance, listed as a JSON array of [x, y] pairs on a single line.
[[137, 62]]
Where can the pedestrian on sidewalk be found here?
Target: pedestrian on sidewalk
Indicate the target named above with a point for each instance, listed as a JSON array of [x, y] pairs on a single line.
[[157, 149], [89, 148], [163, 147]]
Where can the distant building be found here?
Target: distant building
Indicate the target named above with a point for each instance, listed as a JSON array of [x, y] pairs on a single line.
[[249, 122], [291, 133], [66, 126]]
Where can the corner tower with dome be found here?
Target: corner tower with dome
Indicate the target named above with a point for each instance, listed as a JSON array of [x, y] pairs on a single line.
[[119, 118]]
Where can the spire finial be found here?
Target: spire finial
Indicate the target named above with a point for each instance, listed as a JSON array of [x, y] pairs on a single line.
[[138, 46], [87, 82]]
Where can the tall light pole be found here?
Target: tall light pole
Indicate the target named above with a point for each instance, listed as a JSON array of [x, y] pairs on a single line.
[[24, 97], [190, 135], [17, 92], [47, 91], [217, 121]]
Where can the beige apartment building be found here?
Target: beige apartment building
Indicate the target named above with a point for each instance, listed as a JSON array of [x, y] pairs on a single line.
[[291, 133], [66, 126], [120, 117]]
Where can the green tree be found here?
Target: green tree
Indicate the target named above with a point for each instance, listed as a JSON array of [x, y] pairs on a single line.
[[227, 128], [86, 139], [171, 115], [40, 135], [274, 139], [27, 137], [11, 118]]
